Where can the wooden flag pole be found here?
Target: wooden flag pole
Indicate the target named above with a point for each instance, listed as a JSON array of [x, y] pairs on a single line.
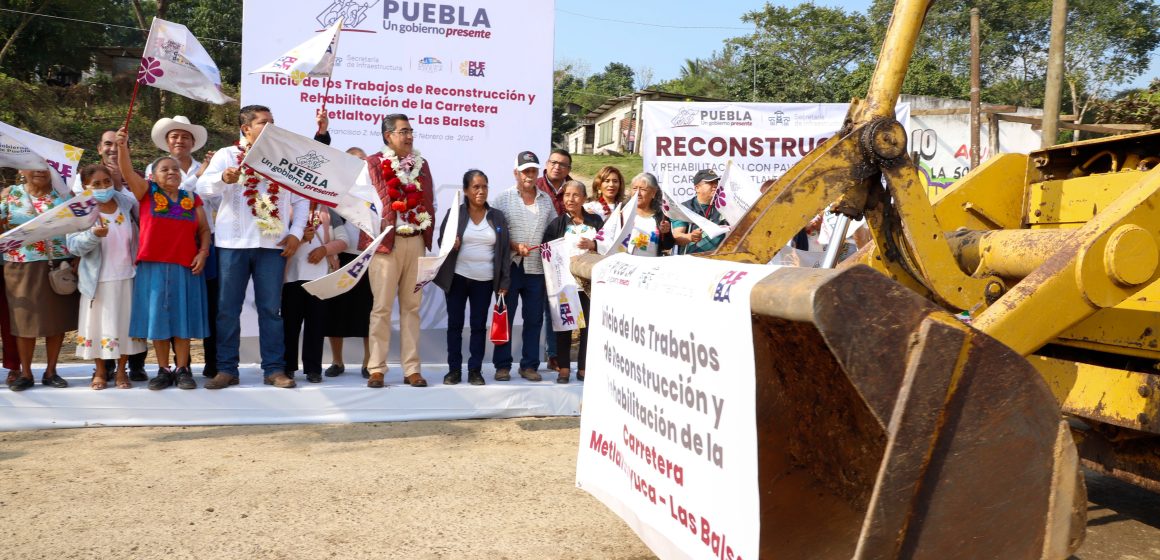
[[133, 99]]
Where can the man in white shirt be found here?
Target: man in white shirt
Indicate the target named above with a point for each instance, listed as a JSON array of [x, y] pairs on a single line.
[[253, 240]]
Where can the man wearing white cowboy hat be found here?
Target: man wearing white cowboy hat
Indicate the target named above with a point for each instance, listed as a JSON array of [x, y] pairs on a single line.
[[181, 138]]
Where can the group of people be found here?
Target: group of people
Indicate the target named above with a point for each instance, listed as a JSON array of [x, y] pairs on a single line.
[[174, 247]]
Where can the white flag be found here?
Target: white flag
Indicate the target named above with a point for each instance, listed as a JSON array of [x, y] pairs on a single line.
[[24, 150], [76, 214], [342, 280], [676, 211], [315, 171], [613, 236], [736, 194], [315, 57], [563, 292], [429, 266], [174, 61]]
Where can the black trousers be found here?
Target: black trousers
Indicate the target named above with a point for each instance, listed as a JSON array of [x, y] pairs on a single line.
[[564, 340], [304, 314], [210, 342]]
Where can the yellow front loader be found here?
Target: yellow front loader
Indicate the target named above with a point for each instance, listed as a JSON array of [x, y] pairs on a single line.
[[910, 434]]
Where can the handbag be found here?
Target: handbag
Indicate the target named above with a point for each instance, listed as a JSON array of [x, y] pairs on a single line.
[[500, 332], [62, 278]]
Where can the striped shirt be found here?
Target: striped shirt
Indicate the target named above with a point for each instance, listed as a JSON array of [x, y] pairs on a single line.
[[525, 225]]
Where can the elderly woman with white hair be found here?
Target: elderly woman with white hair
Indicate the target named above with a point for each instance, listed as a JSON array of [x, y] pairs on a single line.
[[652, 233]]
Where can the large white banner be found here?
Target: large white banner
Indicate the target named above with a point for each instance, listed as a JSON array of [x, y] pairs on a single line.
[[668, 436], [475, 78], [763, 139]]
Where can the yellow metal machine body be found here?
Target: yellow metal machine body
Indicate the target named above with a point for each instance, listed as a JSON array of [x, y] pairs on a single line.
[[1015, 214], [1055, 254]]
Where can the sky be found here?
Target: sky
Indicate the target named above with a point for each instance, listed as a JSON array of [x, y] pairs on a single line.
[[696, 29]]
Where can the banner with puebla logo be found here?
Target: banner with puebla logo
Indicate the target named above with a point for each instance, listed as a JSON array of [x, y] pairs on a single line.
[[762, 139], [475, 79], [315, 171]]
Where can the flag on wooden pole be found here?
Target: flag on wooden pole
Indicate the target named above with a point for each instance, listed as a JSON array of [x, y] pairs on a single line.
[[175, 61], [315, 57]]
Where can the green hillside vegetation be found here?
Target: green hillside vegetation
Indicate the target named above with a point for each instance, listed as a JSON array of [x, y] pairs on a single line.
[[77, 115]]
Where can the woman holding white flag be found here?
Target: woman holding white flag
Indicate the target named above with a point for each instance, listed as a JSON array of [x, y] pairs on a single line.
[[36, 308], [578, 227], [105, 279], [477, 266], [169, 296], [652, 233], [302, 312]]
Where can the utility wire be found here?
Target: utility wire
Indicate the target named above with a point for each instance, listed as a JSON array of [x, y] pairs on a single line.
[[104, 24], [647, 24]]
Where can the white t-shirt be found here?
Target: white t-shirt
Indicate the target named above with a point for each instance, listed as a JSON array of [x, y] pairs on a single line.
[[117, 262], [476, 259], [299, 268], [572, 236], [645, 239]]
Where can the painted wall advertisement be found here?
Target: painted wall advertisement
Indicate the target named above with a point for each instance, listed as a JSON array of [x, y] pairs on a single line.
[[475, 79], [668, 438], [763, 139]]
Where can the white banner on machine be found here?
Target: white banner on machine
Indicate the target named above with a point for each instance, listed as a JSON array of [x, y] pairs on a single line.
[[668, 427], [763, 139], [474, 78]]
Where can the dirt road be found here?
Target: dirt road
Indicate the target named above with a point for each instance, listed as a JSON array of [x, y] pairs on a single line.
[[418, 490]]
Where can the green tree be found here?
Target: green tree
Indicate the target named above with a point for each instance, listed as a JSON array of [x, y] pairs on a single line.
[[39, 47], [800, 54], [1140, 106], [704, 77]]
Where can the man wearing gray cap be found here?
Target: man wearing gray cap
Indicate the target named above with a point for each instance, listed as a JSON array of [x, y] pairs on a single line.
[[689, 236]]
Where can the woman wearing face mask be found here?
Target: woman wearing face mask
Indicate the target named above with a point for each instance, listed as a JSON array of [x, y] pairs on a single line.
[[35, 309], [105, 279], [169, 299]]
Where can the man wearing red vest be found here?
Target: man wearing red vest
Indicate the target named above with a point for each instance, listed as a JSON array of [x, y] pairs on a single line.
[[402, 179]]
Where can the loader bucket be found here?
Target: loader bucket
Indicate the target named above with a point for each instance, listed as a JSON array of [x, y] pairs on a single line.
[[889, 429]]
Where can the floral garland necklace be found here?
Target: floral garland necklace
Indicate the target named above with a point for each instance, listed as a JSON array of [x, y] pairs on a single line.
[[604, 204], [401, 177], [263, 206]]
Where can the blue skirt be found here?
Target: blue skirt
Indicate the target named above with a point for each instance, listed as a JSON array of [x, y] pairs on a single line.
[[168, 301]]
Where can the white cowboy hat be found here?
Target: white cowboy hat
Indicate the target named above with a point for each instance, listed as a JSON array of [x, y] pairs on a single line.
[[163, 127]]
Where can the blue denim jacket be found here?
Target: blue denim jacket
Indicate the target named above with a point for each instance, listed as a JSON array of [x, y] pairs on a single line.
[[88, 246]]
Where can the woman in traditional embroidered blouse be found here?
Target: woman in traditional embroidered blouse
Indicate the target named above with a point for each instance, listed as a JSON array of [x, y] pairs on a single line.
[[169, 297], [35, 309]]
